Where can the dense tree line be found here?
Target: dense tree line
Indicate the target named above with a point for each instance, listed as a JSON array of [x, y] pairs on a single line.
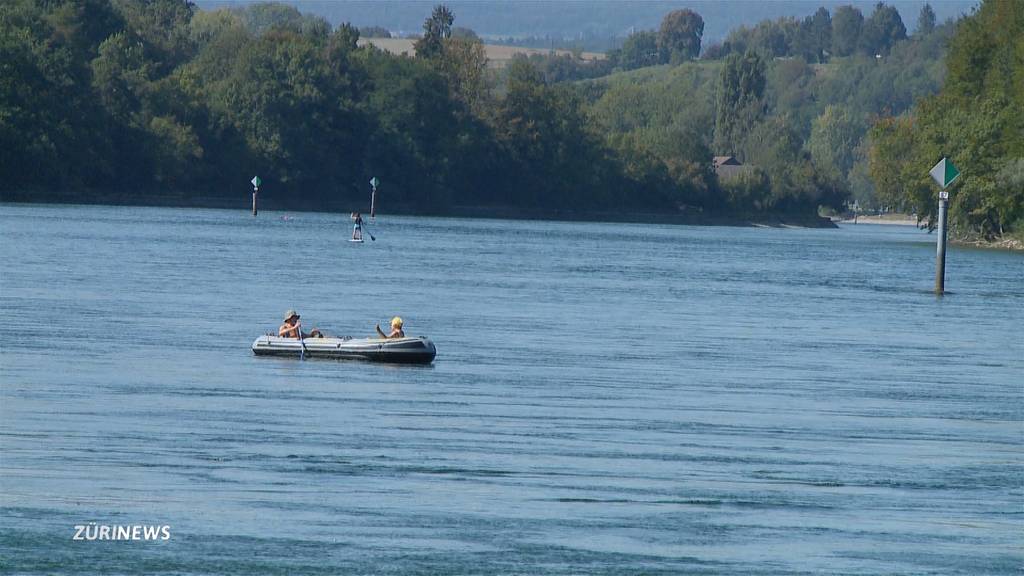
[[800, 126], [160, 98], [677, 40], [977, 120], [822, 35]]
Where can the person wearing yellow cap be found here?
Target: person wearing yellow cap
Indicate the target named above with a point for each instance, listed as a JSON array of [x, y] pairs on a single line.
[[396, 329]]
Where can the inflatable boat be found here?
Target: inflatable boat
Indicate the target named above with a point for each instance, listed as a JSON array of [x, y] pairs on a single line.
[[418, 350]]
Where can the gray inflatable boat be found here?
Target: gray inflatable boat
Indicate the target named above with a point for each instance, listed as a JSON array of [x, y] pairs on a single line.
[[417, 350]]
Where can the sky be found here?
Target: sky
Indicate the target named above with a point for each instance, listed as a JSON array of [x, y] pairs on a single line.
[[572, 18]]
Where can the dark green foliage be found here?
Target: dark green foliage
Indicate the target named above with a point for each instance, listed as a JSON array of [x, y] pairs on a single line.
[[926, 20], [51, 132], [567, 67], [436, 29], [740, 101], [833, 141], [800, 130], [847, 23], [460, 32], [640, 49], [820, 36], [679, 36], [814, 38], [771, 38], [158, 98], [975, 120], [374, 32], [265, 16], [154, 98], [882, 31], [160, 28]]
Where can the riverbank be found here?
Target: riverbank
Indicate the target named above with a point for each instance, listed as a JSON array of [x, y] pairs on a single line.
[[1012, 244], [244, 203], [887, 219], [1006, 243]]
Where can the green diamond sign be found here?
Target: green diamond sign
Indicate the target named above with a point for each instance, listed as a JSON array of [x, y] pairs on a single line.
[[944, 172], [256, 181], [374, 182]]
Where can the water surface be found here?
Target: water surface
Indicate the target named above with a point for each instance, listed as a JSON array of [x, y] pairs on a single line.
[[607, 398]]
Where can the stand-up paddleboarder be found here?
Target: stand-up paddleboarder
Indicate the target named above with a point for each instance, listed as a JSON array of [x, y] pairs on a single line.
[[357, 228]]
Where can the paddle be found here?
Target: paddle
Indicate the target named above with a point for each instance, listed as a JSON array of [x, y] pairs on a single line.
[[302, 353], [369, 234]]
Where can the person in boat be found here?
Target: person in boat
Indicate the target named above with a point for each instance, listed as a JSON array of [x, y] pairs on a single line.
[[396, 329], [292, 328], [357, 229]]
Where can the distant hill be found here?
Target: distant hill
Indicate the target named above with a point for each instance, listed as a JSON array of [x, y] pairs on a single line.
[[589, 18], [497, 56]]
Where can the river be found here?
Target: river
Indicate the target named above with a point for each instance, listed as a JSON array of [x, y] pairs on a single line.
[[607, 398]]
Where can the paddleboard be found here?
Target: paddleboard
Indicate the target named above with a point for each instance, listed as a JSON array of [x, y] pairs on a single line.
[[355, 240]]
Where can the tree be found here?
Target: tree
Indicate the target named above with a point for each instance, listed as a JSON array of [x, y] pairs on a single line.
[[161, 28], [680, 35], [815, 36], [436, 29], [862, 189], [899, 181], [926, 20], [296, 109], [835, 135], [374, 32], [639, 50], [468, 33], [464, 66], [846, 30], [556, 159], [120, 73], [51, 129], [975, 120], [740, 100], [136, 95], [882, 30]]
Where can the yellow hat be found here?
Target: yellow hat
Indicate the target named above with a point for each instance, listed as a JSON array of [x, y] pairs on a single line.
[[396, 321]]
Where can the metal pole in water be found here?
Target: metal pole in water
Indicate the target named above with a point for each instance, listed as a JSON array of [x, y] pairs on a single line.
[[255, 190], [940, 248], [944, 173]]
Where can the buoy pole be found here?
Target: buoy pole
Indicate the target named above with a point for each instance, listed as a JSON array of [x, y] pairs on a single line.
[[255, 191], [940, 248], [373, 197]]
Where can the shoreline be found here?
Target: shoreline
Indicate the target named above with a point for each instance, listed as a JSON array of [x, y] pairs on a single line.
[[484, 212], [888, 220], [1008, 244]]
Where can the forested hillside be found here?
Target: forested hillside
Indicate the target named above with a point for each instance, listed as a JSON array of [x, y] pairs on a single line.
[[157, 97], [977, 120], [800, 125], [161, 99]]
